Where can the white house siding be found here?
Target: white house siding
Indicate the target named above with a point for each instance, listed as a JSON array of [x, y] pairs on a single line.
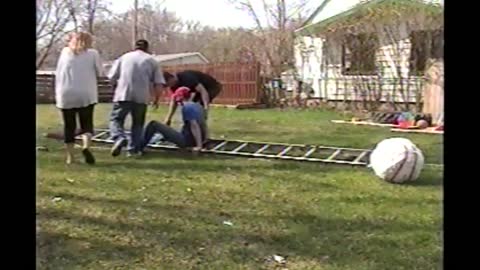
[[392, 59], [308, 62]]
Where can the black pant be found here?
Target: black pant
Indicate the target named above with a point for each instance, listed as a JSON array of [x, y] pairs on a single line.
[[169, 134], [85, 116]]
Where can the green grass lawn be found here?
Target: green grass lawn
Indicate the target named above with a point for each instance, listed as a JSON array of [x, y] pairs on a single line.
[[166, 211]]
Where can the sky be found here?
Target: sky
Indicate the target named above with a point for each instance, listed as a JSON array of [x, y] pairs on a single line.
[[216, 13]]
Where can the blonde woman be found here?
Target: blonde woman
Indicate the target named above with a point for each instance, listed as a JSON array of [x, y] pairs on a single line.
[[76, 91]]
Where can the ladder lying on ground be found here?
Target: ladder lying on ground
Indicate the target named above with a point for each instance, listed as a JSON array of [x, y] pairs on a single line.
[[297, 152]]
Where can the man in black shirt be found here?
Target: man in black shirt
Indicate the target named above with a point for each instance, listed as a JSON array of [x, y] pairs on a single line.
[[203, 86]]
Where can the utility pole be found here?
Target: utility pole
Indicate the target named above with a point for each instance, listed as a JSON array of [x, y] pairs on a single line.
[[135, 23]]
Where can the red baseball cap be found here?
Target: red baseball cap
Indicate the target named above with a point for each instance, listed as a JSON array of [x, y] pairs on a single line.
[[181, 94]]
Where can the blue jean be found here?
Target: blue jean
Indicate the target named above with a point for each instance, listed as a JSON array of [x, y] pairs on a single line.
[[169, 134], [117, 121]]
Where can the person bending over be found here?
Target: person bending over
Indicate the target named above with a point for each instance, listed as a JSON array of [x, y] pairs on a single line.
[[203, 86], [194, 129]]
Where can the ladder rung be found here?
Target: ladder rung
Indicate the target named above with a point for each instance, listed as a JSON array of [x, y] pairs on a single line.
[[162, 146], [310, 152], [334, 154], [99, 135], [162, 142], [218, 146], [239, 148], [262, 149], [284, 151], [360, 156]]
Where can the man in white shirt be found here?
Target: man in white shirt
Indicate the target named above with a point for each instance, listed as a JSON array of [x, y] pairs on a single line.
[[137, 78]]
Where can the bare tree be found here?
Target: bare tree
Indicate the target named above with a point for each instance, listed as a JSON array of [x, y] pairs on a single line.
[[168, 33], [92, 6], [113, 36], [73, 8], [53, 17], [274, 31], [162, 28], [86, 12], [228, 45]]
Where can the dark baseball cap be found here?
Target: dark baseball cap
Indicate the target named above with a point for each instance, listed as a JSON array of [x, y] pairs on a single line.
[[141, 44]]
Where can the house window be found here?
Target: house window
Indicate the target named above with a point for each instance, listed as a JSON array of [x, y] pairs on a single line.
[[358, 54], [425, 45]]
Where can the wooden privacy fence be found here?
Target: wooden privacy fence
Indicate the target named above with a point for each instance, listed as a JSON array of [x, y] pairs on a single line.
[[241, 83]]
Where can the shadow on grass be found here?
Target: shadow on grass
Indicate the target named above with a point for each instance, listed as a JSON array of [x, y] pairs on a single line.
[[428, 178], [185, 229], [212, 162], [60, 251]]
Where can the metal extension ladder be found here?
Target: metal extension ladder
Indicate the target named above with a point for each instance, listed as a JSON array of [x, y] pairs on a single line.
[[282, 151]]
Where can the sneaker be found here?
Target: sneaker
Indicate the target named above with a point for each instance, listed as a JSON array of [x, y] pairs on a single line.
[[89, 158], [117, 147]]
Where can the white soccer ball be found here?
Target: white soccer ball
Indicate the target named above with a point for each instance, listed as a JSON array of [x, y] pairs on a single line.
[[397, 160]]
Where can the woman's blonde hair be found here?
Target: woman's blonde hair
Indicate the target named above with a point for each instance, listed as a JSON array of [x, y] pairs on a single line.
[[80, 42]]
